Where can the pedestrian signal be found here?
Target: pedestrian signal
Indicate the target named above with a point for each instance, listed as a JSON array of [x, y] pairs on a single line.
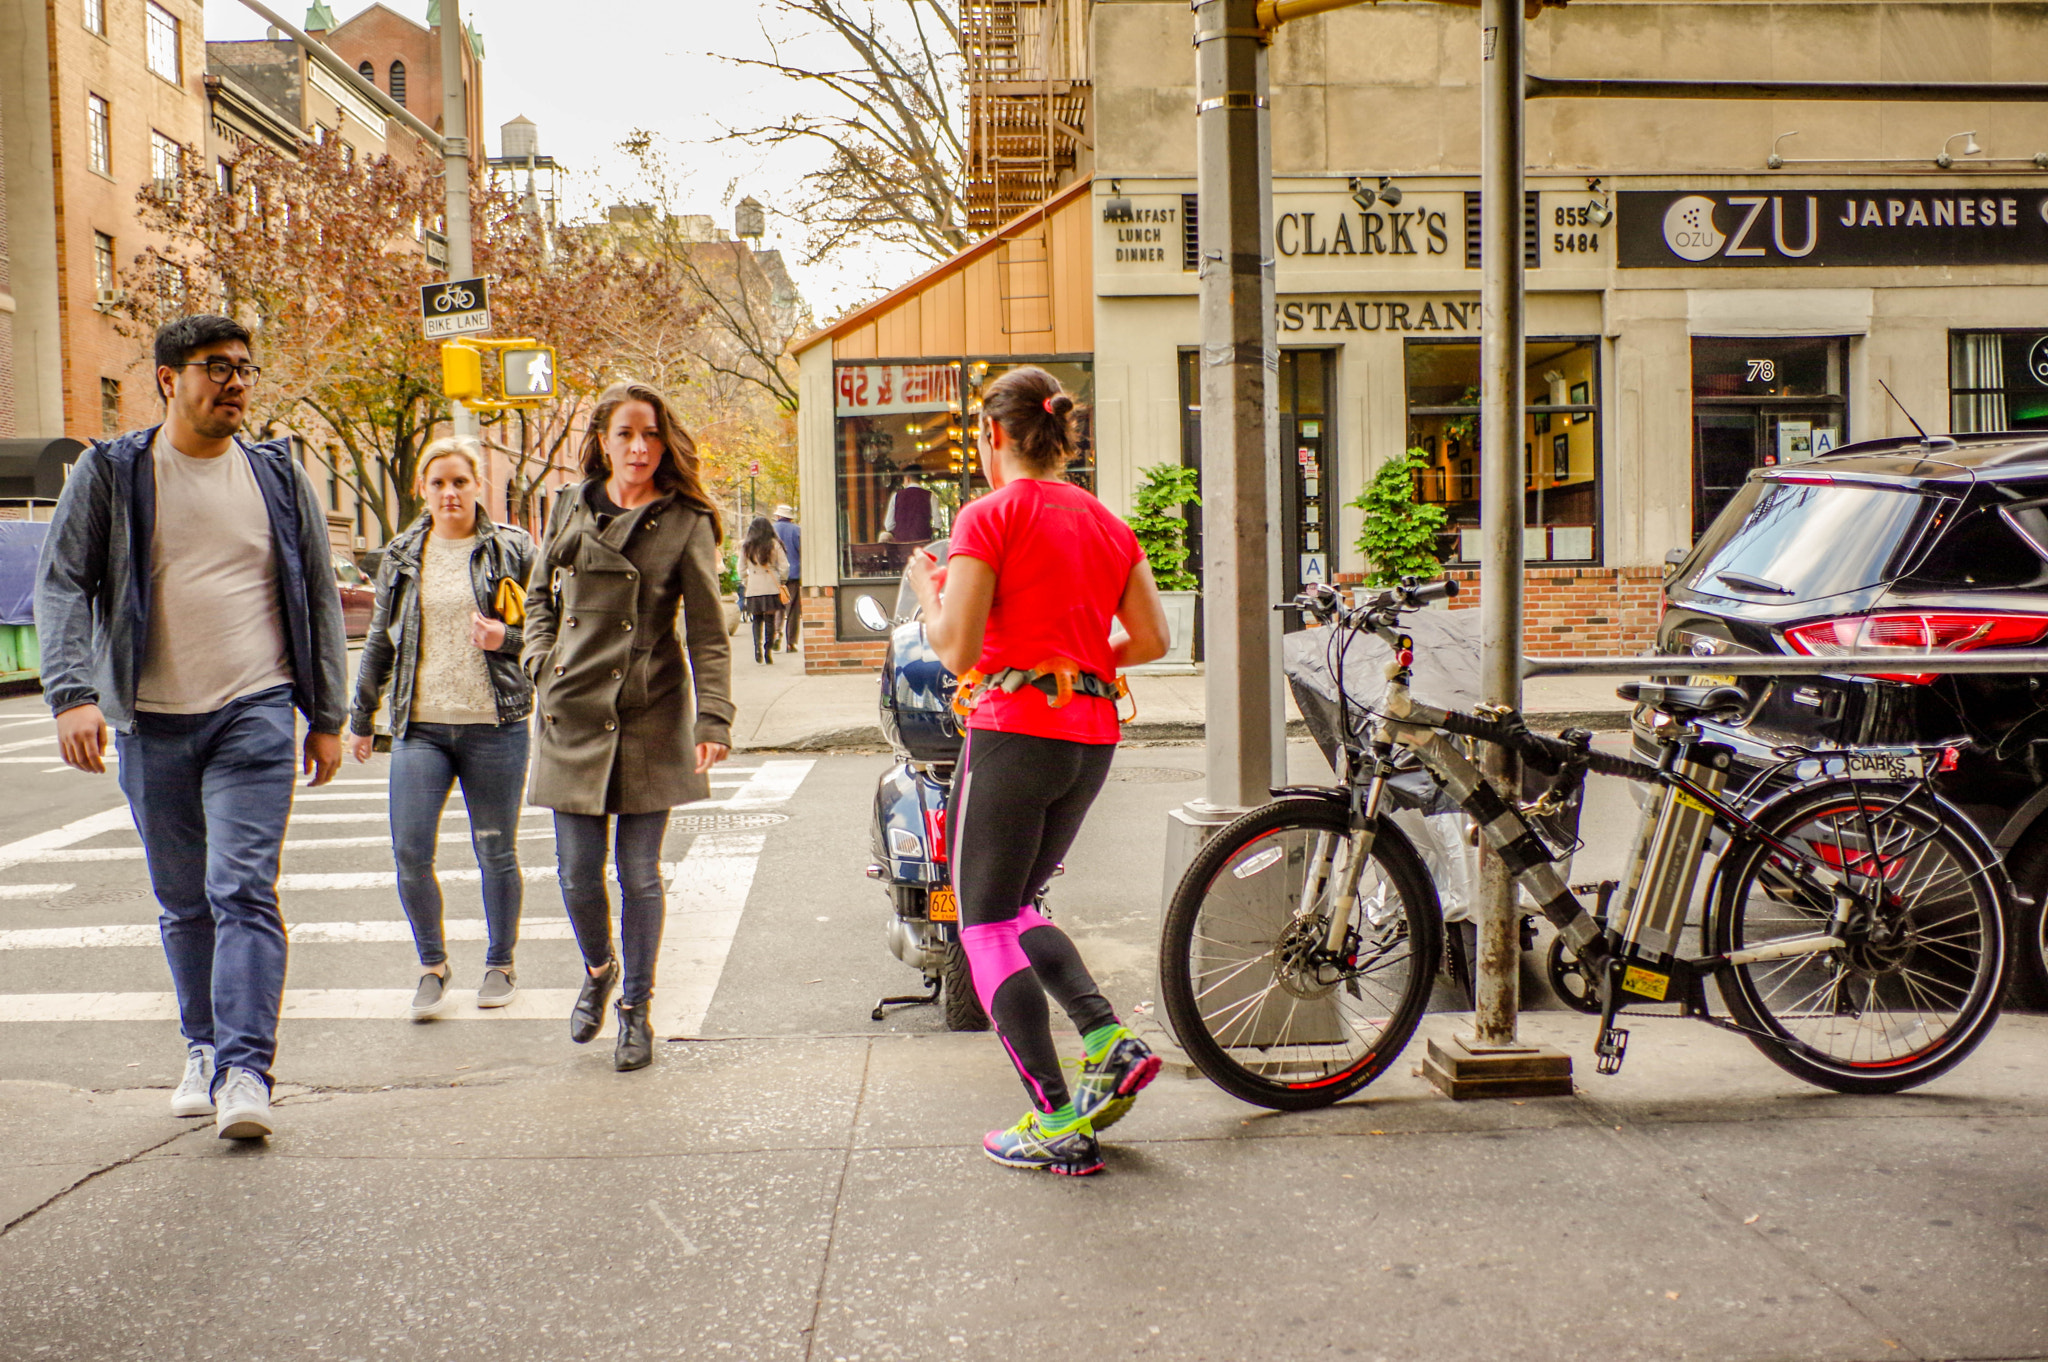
[[530, 373], [462, 373]]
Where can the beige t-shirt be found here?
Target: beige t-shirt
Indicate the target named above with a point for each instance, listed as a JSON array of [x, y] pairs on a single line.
[[216, 624], [452, 684]]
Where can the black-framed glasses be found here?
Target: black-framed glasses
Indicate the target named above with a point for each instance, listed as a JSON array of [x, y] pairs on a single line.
[[221, 370]]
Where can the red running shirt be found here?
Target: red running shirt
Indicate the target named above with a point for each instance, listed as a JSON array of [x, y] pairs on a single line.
[[1061, 562]]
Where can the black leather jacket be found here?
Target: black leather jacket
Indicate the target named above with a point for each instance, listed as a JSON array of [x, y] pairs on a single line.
[[391, 652]]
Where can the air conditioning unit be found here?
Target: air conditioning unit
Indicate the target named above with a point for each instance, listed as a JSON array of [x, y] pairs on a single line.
[[107, 299]]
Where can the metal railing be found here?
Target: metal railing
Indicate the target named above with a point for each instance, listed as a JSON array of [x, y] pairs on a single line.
[[1789, 664]]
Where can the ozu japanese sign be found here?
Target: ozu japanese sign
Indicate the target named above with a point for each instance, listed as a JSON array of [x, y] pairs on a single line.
[[1795, 228]]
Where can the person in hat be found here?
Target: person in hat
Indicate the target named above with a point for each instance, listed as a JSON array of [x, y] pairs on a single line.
[[792, 537]]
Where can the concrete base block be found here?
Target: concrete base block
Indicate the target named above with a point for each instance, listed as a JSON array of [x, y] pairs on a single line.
[[1521, 1071]]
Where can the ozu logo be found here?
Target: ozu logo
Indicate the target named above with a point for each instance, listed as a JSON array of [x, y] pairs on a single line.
[[1691, 233]]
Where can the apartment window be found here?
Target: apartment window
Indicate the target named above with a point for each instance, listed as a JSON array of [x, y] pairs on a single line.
[[398, 83], [170, 291], [110, 406], [1560, 439], [96, 17], [163, 42], [224, 176], [99, 139], [166, 161], [1998, 380], [102, 262]]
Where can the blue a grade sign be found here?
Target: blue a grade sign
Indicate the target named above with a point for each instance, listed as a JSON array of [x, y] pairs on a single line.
[[1781, 228]]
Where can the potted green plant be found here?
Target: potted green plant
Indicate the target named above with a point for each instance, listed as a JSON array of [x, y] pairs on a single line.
[[1162, 531], [1400, 535], [729, 589]]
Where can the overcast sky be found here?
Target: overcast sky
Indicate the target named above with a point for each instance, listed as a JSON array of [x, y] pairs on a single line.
[[648, 64]]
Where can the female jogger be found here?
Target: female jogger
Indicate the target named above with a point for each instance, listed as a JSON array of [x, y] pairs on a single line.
[[1037, 570]]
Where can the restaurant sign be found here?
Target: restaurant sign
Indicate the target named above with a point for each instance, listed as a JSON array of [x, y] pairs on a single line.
[[1839, 227], [882, 389]]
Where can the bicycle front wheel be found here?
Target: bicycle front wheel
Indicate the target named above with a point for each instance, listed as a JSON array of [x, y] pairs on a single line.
[[1915, 984], [1255, 997]]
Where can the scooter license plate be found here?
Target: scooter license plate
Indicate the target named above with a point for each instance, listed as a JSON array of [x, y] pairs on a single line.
[[943, 907], [1889, 763]]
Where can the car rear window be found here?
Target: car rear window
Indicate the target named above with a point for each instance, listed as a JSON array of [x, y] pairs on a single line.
[[1780, 542]]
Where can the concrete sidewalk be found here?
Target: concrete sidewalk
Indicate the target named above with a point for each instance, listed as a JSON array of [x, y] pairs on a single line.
[[824, 1198], [782, 709]]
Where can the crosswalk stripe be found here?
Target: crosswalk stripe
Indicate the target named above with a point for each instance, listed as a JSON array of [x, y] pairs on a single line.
[[30, 848], [131, 934], [707, 896], [300, 1004], [316, 881], [34, 891]]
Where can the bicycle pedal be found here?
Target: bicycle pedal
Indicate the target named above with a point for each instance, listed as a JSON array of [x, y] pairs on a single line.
[[1610, 1049]]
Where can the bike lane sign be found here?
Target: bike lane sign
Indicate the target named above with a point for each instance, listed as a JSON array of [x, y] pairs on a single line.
[[459, 307]]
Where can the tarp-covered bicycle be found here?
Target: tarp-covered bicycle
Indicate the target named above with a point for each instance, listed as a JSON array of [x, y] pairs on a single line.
[[1854, 921]]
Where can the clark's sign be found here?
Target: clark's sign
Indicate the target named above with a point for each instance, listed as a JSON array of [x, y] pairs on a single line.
[[1791, 228]]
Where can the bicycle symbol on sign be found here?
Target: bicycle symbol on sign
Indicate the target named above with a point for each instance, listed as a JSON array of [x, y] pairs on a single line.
[[455, 298]]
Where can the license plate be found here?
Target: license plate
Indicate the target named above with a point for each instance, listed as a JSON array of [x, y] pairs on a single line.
[[1713, 681], [1899, 763], [944, 907]]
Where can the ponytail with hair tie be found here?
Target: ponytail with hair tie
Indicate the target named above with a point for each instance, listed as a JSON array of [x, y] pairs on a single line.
[[1044, 446]]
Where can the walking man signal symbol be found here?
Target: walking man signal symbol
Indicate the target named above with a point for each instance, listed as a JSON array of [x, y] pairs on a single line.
[[530, 373]]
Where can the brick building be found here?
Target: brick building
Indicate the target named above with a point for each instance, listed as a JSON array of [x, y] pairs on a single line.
[[97, 99], [403, 59]]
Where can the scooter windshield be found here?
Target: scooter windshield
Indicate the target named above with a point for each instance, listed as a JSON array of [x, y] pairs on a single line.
[[906, 599]]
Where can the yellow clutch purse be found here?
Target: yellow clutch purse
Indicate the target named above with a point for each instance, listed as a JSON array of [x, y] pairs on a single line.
[[511, 602]]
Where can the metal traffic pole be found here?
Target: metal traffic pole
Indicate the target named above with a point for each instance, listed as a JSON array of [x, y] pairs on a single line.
[[455, 182], [1244, 744]]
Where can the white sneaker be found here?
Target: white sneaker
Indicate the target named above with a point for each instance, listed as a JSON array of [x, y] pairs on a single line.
[[194, 1096], [244, 1106]]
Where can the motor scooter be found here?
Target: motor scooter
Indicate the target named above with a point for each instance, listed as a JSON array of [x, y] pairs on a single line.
[[909, 841]]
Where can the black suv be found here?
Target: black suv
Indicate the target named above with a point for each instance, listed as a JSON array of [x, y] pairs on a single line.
[[1934, 545]]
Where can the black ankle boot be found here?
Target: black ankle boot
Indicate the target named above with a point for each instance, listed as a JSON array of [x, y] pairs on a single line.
[[636, 1037], [588, 1017]]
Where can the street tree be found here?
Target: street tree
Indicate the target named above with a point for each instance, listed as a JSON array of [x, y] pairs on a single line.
[[889, 129]]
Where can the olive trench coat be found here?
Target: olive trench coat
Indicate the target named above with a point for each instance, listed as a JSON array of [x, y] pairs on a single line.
[[609, 611]]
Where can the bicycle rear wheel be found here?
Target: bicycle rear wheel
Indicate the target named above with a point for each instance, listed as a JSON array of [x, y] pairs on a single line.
[[1916, 983], [1259, 1005]]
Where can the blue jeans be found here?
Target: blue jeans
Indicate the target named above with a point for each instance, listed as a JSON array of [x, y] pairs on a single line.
[[579, 859], [210, 794], [490, 761]]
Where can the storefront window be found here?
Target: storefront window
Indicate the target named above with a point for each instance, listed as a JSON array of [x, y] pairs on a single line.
[[1560, 445], [905, 452], [1998, 380], [1759, 401]]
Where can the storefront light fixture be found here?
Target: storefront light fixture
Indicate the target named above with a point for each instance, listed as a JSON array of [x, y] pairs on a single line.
[[1365, 195], [1970, 148], [1118, 209], [1600, 211]]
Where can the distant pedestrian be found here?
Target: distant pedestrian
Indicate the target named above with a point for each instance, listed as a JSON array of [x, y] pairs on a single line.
[[627, 578], [792, 537], [764, 568], [1038, 570], [186, 597], [445, 640]]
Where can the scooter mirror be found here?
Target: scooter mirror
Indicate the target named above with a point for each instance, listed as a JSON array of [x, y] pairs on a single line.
[[869, 612]]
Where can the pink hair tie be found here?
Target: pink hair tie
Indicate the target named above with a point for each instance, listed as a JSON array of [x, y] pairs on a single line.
[[1048, 406]]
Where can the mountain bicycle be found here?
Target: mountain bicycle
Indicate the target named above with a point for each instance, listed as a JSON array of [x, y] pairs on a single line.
[[1853, 923]]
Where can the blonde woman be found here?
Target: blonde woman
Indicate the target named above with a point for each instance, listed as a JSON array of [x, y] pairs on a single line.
[[459, 702]]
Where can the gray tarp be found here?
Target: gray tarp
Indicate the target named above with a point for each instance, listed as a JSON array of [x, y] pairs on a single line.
[[20, 543]]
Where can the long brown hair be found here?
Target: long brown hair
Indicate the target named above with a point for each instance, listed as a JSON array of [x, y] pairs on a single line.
[[676, 474], [1037, 415]]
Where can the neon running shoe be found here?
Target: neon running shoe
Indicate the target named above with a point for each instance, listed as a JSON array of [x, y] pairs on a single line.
[[1070, 1150], [1105, 1089]]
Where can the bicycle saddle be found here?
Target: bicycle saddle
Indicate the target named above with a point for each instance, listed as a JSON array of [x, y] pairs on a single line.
[[1686, 702]]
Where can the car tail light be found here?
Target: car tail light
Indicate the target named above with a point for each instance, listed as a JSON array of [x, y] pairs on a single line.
[[1916, 632]]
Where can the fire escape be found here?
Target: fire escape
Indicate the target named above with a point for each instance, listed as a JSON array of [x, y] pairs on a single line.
[[1027, 118]]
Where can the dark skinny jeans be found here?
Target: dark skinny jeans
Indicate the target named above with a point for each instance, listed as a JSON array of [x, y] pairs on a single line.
[[579, 858], [490, 761]]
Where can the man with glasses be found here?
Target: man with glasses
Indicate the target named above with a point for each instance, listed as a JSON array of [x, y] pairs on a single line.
[[184, 598]]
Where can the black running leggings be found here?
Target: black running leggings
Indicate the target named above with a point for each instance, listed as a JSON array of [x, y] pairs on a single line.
[[1018, 801]]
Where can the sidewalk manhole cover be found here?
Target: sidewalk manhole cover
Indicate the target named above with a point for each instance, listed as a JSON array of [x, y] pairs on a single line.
[[724, 822], [1152, 775]]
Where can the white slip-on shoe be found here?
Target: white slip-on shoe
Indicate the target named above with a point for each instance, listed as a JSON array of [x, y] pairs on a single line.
[[244, 1102], [194, 1096]]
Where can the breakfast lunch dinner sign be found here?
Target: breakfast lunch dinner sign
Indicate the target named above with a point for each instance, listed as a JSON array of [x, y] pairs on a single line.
[[1791, 228]]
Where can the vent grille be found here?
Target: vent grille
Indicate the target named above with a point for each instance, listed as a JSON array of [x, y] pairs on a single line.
[[1190, 234], [1531, 230]]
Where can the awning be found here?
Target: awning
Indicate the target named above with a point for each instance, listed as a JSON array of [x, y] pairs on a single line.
[[36, 468]]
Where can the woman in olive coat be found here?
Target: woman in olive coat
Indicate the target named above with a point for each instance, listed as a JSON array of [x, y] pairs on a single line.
[[625, 583]]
